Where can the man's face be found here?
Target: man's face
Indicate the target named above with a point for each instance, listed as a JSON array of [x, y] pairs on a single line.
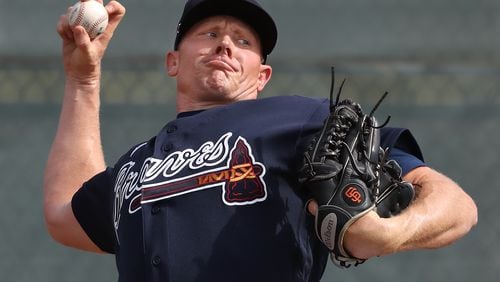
[[219, 59]]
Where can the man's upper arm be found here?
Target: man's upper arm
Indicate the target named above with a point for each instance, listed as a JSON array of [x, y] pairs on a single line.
[[85, 220], [92, 209], [69, 232]]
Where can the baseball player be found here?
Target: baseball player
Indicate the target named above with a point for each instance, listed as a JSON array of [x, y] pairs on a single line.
[[215, 194]]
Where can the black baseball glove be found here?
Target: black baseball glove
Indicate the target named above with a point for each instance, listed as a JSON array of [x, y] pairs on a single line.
[[347, 173]]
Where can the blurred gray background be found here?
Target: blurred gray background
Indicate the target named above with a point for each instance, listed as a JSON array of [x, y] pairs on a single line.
[[439, 59]]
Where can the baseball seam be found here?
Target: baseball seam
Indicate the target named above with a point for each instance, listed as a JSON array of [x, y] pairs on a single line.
[[93, 27], [79, 18]]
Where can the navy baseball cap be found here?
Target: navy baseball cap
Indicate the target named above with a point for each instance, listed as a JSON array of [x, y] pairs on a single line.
[[248, 11]]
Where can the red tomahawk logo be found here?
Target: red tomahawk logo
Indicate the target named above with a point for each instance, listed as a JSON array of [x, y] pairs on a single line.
[[241, 181]]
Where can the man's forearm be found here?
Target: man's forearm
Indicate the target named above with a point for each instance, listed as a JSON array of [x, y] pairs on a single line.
[[441, 214]]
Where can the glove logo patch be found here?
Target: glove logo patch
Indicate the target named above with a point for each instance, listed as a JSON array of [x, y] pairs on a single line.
[[353, 195]]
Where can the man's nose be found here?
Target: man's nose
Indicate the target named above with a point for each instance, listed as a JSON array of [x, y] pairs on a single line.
[[225, 46]]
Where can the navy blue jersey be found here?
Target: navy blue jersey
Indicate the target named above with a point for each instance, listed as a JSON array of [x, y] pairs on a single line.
[[214, 196]]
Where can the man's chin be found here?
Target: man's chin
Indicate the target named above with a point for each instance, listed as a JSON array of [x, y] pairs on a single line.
[[218, 85]]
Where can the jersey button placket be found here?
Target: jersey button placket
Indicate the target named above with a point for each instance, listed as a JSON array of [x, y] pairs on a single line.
[[168, 146], [157, 213]]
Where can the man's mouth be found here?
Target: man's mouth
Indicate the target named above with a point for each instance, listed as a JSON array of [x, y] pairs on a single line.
[[221, 63]]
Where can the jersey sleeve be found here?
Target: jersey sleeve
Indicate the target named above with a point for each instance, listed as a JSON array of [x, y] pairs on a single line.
[[92, 206], [403, 148]]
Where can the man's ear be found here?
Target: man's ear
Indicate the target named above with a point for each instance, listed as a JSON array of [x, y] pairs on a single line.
[[264, 76], [172, 63]]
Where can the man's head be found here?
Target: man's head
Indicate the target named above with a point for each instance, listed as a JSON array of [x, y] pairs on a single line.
[[248, 11], [219, 53]]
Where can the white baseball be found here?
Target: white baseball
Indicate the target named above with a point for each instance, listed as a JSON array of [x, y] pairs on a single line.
[[91, 15]]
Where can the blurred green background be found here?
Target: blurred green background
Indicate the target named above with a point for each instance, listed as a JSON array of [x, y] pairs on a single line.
[[439, 59]]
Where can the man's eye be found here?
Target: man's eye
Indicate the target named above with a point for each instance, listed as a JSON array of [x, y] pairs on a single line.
[[211, 34], [244, 42]]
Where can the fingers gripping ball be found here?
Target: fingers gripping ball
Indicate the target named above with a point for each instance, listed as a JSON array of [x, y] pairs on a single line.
[[91, 15]]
